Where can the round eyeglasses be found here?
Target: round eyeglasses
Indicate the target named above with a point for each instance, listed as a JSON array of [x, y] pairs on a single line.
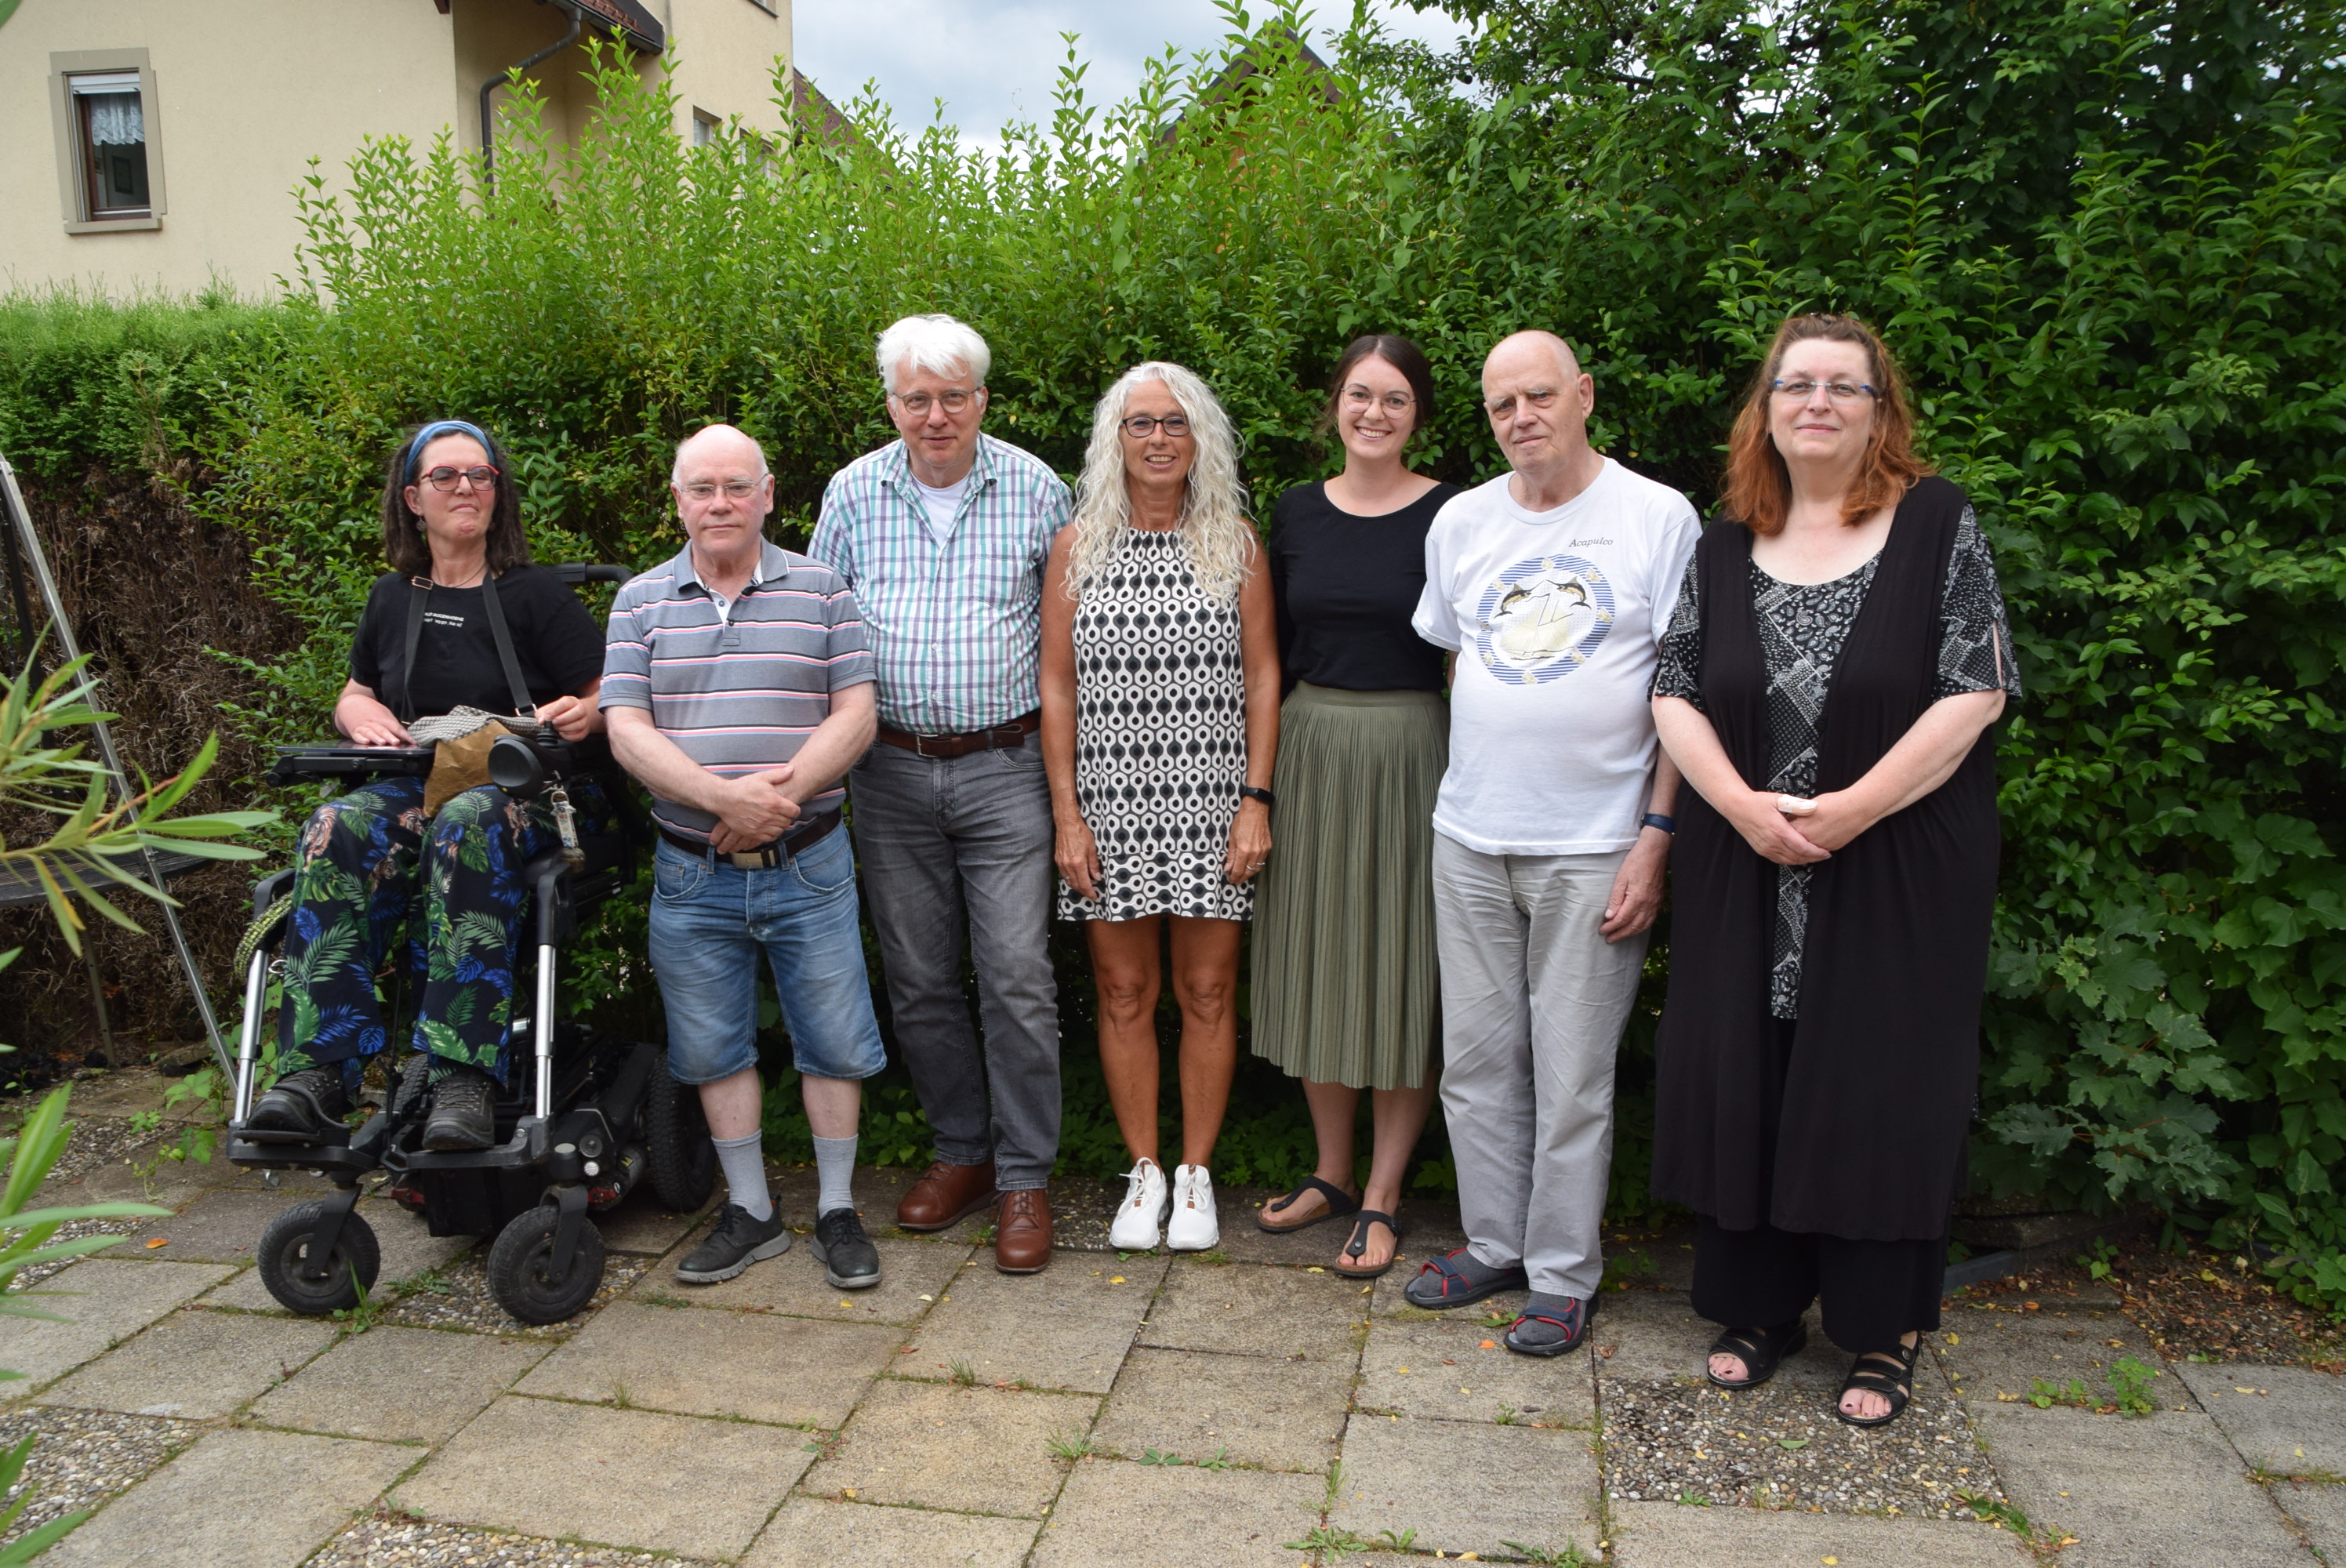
[[445, 478], [1141, 426]]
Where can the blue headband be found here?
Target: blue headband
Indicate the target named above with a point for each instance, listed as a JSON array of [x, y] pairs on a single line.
[[436, 429]]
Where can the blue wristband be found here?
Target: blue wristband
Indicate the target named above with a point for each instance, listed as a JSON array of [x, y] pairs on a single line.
[[1655, 819]]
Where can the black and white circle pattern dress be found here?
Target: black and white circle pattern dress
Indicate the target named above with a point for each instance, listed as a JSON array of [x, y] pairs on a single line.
[[1160, 737]]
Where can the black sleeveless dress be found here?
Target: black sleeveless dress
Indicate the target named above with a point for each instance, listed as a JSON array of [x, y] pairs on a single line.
[[1858, 1131]]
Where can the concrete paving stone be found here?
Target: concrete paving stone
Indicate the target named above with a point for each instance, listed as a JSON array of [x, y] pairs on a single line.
[[200, 1510], [2291, 1421], [818, 1532], [220, 1226], [2165, 1491], [194, 1365], [1467, 1488], [1999, 1355], [1456, 1370], [1067, 1328], [1115, 1514], [624, 1478], [1667, 1536], [106, 1301], [384, 1540], [173, 1184], [1247, 1309], [641, 1225], [1428, 1226], [748, 1365], [408, 1250], [122, 1093], [2320, 1507], [1281, 1415], [936, 1445], [399, 1384], [913, 1274]]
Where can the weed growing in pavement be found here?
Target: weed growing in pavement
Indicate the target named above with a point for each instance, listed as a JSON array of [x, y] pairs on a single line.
[[1622, 1267], [1569, 1557], [1072, 1446], [963, 1375], [2130, 1380], [1506, 1416], [823, 1445], [1159, 1456], [2099, 1259], [2044, 1395], [1327, 1538], [1220, 1459]]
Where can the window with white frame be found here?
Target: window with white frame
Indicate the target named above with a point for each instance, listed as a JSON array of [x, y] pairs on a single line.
[[704, 128], [108, 122]]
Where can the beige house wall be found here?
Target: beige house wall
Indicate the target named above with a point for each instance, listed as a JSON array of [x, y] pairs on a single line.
[[248, 91]]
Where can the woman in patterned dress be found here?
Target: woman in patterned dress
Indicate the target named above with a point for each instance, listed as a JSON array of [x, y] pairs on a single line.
[[1838, 656], [1160, 718]]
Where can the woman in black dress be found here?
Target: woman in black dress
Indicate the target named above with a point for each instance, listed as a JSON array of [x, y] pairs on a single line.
[[1345, 995], [1838, 654]]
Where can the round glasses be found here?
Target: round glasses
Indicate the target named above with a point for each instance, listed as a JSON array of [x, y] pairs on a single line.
[[918, 403], [1141, 426], [445, 478]]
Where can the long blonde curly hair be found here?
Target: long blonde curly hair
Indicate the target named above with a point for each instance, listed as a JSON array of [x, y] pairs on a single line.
[[1214, 528]]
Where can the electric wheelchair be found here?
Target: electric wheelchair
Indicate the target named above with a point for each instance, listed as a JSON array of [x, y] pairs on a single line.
[[583, 1119]]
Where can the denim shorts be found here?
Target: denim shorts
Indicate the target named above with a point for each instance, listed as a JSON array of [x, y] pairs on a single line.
[[710, 919]]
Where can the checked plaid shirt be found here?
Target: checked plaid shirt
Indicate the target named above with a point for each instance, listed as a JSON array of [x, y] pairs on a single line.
[[957, 626]]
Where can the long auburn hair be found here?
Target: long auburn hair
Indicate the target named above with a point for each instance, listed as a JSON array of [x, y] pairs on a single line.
[[403, 543], [1758, 489], [1214, 528]]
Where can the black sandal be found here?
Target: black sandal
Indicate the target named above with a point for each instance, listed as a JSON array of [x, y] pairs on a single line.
[[1873, 1379], [1359, 1245], [1759, 1349], [1341, 1205]]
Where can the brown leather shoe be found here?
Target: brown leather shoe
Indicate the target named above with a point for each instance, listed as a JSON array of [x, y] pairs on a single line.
[[1022, 1235], [945, 1196]]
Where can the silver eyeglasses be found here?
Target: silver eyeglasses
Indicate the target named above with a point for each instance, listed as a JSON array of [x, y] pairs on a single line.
[[952, 401], [1359, 397], [1839, 391], [734, 489]]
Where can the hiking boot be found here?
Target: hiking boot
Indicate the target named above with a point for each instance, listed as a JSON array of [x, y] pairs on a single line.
[[464, 1112], [848, 1259], [308, 1102], [737, 1242]]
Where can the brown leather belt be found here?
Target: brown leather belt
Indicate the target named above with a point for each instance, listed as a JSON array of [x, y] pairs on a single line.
[[1001, 737], [765, 857]]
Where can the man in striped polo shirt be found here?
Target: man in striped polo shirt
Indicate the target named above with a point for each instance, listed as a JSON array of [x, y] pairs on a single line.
[[739, 689], [944, 535]]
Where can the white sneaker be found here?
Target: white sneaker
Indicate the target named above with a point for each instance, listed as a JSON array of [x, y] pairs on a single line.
[[1134, 1228], [1195, 1226]]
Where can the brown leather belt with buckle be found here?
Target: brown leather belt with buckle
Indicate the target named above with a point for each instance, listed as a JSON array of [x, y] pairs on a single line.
[[1001, 737], [765, 857]]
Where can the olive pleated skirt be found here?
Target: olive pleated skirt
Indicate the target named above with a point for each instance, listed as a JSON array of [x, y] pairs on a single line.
[[1344, 987]]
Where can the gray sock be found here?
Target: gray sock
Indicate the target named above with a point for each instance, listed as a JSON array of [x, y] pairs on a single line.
[[834, 1164], [744, 1163]]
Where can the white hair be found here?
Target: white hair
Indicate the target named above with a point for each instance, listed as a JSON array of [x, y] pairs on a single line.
[[938, 344], [676, 468], [1214, 527]]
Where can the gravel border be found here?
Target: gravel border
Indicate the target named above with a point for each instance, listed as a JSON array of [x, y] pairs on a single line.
[[395, 1541], [84, 1458]]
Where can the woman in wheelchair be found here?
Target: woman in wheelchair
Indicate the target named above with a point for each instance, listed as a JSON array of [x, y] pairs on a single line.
[[376, 878]]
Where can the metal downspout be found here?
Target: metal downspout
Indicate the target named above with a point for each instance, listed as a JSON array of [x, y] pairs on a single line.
[[488, 125]]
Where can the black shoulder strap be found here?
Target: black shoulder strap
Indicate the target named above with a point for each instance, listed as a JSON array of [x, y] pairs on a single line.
[[523, 706], [419, 592]]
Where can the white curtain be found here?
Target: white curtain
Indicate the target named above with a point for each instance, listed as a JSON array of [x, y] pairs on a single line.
[[115, 119]]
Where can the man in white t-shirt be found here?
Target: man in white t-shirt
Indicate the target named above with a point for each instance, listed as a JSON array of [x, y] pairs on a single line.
[[1552, 586]]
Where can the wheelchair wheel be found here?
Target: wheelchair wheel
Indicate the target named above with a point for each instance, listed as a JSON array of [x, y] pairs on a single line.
[[518, 1263], [682, 1161], [285, 1249]]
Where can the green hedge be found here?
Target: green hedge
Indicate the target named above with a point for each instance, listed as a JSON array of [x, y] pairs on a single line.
[[2102, 238]]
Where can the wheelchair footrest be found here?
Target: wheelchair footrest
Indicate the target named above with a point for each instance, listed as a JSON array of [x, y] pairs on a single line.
[[249, 1151]]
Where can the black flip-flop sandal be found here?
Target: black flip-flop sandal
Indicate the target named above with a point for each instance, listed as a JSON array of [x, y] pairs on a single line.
[[1898, 1387], [1760, 1349], [1359, 1245], [1342, 1204]]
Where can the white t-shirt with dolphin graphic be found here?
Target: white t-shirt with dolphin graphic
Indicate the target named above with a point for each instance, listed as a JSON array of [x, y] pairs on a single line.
[[1556, 619]]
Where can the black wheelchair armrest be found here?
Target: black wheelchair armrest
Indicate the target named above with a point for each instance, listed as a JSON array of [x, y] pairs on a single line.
[[271, 888], [297, 763]]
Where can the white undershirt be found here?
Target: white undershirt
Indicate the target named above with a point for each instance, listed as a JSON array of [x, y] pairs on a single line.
[[940, 504]]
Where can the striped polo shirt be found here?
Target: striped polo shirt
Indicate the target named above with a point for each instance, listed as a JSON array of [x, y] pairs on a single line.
[[738, 685]]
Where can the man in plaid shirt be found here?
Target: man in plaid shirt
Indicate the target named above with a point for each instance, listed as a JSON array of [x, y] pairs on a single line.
[[943, 535]]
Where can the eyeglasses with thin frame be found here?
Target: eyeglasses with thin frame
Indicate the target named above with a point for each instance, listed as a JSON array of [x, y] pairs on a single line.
[[1540, 398], [1141, 426], [444, 478], [1359, 399], [705, 490], [954, 400], [1839, 391]]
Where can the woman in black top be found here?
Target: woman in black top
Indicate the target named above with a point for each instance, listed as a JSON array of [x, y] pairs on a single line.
[[1344, 990], [374, 872], [1837, 656]]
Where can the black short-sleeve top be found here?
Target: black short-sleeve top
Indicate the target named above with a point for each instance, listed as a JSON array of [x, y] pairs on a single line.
[[1345, 587], [556, 641]]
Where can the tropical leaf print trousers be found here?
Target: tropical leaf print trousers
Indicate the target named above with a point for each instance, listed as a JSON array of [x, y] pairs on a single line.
[[377, 886]]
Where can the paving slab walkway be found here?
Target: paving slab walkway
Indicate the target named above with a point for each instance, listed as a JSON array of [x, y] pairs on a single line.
[[1235, 1408]]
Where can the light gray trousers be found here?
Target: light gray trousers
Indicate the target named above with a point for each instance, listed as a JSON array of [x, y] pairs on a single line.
[[1533, 1002]]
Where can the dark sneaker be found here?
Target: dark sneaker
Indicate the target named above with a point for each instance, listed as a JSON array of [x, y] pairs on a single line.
[[848, 1259], [464, 1112], [308, 1102], [736, 1243], [1550, 1325]]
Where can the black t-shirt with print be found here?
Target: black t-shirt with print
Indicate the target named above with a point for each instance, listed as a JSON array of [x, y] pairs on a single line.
[[556, 641]]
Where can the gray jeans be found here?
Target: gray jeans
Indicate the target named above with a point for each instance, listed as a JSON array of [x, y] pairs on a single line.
[[1533, 1002], [946, 842]]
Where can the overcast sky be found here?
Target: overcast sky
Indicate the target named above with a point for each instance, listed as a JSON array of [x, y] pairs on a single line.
[[992, 61]]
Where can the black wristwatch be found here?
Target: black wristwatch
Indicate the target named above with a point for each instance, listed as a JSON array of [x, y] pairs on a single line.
[[1655, 819], [1250, 792]]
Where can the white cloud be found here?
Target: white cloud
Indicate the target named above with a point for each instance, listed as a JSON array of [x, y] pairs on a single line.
[[994, 61]]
